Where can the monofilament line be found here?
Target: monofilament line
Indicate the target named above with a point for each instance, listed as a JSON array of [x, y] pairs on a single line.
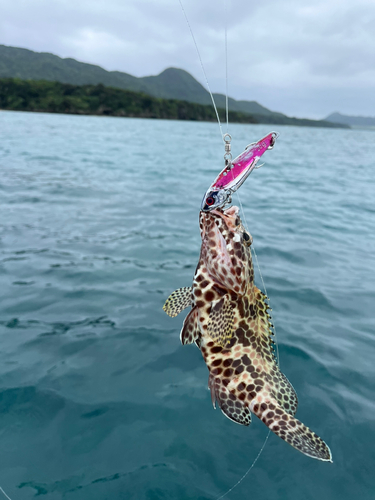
[[248, 470], [226, 65], [265, 291], [222, 136], [260, 274], [3, 492], [277, 350], [269, 432], [203, 70]]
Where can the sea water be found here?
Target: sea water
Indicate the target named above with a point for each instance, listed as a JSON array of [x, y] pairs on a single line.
[[99, 224]]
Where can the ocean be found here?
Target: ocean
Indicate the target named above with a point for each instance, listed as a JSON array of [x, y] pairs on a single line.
[[99, 224]]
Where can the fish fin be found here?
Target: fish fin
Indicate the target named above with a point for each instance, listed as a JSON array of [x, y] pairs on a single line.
[[265, 326], [290, 429], [190, 332], [286, 395], [231, 406], [220, 321], [178, 300]]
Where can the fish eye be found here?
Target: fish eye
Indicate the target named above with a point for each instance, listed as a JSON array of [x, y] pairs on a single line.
[[210, 200], [247, 238]]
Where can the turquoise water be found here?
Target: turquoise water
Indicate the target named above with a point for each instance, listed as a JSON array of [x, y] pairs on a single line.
[[98, 399]]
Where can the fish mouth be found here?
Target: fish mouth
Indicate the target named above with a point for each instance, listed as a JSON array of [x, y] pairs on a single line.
[[229, 216]]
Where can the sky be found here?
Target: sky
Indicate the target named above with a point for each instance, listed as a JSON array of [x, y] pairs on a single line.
[[304, 58]]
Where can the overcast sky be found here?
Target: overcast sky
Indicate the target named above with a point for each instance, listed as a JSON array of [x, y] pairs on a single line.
[[305, 58]]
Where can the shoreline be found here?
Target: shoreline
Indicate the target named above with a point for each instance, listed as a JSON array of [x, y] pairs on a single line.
[[41, 96]]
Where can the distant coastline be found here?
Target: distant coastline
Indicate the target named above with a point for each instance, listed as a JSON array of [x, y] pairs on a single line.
[[367, 122], [56, 97]]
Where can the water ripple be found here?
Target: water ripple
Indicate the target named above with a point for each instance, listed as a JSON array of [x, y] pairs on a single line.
[[98, 398]]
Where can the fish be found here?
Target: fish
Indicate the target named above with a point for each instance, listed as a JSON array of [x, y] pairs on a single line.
[[230, 322]]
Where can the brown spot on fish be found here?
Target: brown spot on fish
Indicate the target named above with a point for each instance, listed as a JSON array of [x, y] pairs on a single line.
[[246, 360]]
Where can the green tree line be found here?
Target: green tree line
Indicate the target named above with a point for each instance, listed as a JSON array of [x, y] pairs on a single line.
[[56, 97]]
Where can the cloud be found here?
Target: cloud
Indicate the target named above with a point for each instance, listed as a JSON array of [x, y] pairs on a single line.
[[303, 58]]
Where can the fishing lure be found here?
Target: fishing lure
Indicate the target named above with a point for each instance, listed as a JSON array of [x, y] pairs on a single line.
[[235, 172]]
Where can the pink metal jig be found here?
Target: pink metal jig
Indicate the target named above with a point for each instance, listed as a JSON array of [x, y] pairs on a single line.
[[235, 173]]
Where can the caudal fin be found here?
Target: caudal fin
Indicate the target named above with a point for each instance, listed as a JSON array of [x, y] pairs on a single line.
[[290, 429]]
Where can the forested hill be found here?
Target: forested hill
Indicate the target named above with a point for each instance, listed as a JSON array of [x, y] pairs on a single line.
[[173, 83], [56, 97]]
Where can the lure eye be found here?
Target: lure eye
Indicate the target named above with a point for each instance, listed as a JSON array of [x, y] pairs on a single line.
[[210, 201]]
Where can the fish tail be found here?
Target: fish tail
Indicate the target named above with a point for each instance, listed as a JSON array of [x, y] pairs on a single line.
[[290, 429]]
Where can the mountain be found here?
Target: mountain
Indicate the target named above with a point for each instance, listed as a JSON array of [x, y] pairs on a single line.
[[172, 83], [28, 65], [353, 121]]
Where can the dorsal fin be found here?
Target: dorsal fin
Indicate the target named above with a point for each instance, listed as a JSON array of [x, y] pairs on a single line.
[[264, 319]]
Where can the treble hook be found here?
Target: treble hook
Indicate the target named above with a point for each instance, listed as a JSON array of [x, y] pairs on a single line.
[[256, 168]]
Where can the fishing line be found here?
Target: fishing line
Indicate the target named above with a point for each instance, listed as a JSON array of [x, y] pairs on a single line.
[[247, 228], [2, 491], [248, 470], [278, 362], [226, 64], [265, 291], [204, 72], [261, 276]]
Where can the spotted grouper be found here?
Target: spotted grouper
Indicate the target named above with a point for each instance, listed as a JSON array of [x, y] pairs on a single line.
[[230, 323]]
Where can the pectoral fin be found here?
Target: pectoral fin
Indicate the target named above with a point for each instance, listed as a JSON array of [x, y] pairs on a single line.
[[232, 407], [290, 429], [178, 300], [220, 321], [190, 332]]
